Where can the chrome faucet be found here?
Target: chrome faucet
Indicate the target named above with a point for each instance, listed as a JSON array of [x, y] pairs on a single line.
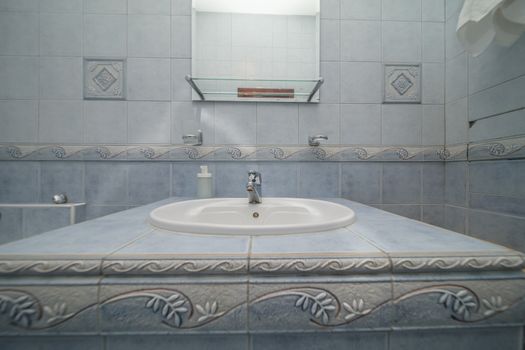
[[316, 140], [254, 187]]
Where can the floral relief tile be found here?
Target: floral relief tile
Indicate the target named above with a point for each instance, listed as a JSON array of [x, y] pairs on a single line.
[[104, 79], [402, 83]]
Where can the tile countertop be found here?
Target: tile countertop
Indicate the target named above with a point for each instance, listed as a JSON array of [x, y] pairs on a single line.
[[378, 242]]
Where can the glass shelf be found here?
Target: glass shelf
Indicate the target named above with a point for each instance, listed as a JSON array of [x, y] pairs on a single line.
[[259, 90]]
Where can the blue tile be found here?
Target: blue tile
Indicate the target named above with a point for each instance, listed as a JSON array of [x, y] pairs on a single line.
[[96, 211], [502, 229], [184, 178], [433, 183], [148, 182], [401, 183], [201, 342], [503, 178], [500, 204], [455, 218], [19, 182], [279, 179], [52, 343], [318, 180], [38, 220], [361, 182], [456, 183], [434, 215], [408, 211], [10, 224], [231, 179], [62, 177], [106, 183], [333, 341], [464, 339]]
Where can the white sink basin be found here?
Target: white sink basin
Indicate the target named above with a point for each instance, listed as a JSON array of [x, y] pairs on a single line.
[[235, 216]]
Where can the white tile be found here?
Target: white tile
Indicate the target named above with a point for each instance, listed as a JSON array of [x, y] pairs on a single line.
[[504, 125], [61, 78], [235, 123], [330, 8], [405, 10], [148, 36], [188, 117], [361, 9], [433, 83], [496, 65], [456, 78], [19, 120], [19, 5], [433, 10], [320, 119], [60, 34], [180, 7], [360, 40], [19, 33], [433, 132], [402, 41], [361, 124], [106, 6], [452, 7], [402, 83], [401, 124], [149, 122], [149, 7], [149, 79], [331, 89], [181, 90], [105, 122], [277, 124], [330, 40], [453, 46], [361, 82], [456, 122], [60, 5], [181, 37], [19, 77], [97, 42], [104, 79], [60, 121], [498, 99], [433, 42]]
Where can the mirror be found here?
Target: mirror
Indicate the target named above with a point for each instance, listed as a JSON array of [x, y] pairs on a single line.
[[257, 50]]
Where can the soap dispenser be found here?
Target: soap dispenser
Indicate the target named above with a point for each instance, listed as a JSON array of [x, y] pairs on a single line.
[[204, 183]]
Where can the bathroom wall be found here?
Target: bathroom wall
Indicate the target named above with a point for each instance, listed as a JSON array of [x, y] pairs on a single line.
[[485, 199], [41, 102]]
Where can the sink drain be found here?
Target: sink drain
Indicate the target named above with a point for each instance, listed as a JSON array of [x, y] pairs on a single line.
[[255, 215]]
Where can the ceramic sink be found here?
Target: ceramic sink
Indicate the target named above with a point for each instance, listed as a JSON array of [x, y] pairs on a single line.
[[235, 216]]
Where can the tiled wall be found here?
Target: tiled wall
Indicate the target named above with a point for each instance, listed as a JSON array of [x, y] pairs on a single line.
[[484, 199], [43, 44], [42, 47], [412, 189]]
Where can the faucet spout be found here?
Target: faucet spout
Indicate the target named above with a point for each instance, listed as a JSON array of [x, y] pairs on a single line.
[[254, 187]]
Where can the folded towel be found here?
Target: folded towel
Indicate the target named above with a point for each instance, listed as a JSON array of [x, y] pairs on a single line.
[[482, 21]]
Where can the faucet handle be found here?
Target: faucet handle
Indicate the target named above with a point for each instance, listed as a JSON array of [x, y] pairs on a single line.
[[254, 176], [316, 140]]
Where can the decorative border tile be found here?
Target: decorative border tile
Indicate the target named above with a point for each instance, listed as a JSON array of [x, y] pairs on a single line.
[[219, 153], [321, 265], [510, 148], [170, 306], [402, 83], [104, 79]]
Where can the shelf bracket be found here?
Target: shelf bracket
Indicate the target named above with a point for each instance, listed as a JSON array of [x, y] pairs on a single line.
[[316, 88], [194, 86]]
